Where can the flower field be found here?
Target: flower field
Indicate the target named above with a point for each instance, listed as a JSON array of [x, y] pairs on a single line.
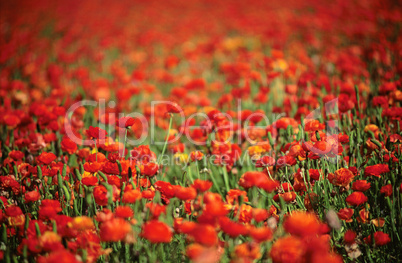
[[200, 131]]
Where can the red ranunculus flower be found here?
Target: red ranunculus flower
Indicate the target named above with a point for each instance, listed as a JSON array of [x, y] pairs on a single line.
[[46, 158], [386, 190], [376, 170], [156, 232], [31, 196], [125, 122], [356, 199], [68, 145], [96, 133]]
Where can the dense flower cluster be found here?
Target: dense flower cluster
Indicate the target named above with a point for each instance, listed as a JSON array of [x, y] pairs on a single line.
[[210, 131]]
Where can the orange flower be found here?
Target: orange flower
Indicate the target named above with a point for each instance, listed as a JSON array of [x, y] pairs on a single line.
[[92, 167], [248, 251], [287, 197], [234, 196], [131, 196], [82, 223], [260, 234], [185, 193], [342, 177], [200, 254], [378, 222], [50, 241], [259, 214], [302, 224], [149, 169], [311, 201], [202, 186], [246, 213], [258, 179], [196, 156], [114, 230], [363, 216], [288, 249], [156, 232], [346, 214], [123, 212], [214, 205]]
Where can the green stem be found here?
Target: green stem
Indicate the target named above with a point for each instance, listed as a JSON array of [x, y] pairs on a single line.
[[225, 178], [167, 139], [96, 151], [124, 145]]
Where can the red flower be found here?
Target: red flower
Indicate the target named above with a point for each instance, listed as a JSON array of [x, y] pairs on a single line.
[[260, 234], [13, 211], [258, 179], [260, 214], [92, 167], [376, 170], [288, 249], [302, 224], [356, 199], [361, 185], [114, 230], [185, 193], [101, 195], [386, 190], [231, 228], [31, 196], [131, 196], [16, 155], [59, 256], [205, 235], [349, 237], [96, 133], [202, 186], [346, 214], [148, 194], [341, 177], [90, 181], [123, 212], [196, 156], [46, 158], [156, 232], [67, 145], [125, 122], [149, 169], [173, 107], [49, 209], [380, 238]]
